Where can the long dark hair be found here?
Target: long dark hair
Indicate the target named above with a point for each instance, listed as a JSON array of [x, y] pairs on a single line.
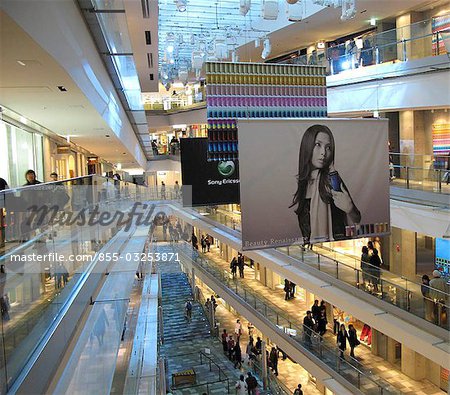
[[305, 167]]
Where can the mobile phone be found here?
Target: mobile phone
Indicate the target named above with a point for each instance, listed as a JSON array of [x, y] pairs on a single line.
[[335, 181]]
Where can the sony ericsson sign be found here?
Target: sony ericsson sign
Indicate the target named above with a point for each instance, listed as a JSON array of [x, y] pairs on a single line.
[[211, 182], [225, 169]]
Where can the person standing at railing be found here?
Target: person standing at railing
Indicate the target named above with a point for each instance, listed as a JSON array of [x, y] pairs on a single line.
[[322, 324], [308, 324], [176, 189], [225, 341], [233, 267], [438, 293], [315, 310], [352, 340], [342, 337], [230, 347], [375, 261], [298, 390], [428, 303], [273, 358], [365, 267], [163, 190]]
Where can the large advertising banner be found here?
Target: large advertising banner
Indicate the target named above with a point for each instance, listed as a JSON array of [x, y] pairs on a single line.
[[209, 183], [309, 181]]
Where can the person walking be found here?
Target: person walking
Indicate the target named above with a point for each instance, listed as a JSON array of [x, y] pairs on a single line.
[[308, 326], [188, 310], [342, 337], [225, 341], [252, 383], [238, 330], [298, 390], [273, 358], [194, 240], [241, 386], [237, 355], [230, 347], [176, 189], [241, 266], [208, 243], [352, 340]]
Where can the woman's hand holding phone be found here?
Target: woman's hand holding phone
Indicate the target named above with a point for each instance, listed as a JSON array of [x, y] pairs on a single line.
[[342, 200]]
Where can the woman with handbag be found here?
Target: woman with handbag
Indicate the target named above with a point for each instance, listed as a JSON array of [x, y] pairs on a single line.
[[342, 337]]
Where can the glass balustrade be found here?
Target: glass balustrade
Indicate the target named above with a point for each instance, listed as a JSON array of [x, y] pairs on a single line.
[[50, 236], [421, 300], [311, 342]]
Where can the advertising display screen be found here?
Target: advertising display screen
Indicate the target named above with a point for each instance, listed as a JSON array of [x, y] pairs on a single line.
[[308, 181], [209, 183]]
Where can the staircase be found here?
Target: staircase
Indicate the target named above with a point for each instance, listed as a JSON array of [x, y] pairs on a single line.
[[176, 291]]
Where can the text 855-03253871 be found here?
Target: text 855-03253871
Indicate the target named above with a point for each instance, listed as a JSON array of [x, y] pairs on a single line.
[[139, 256]]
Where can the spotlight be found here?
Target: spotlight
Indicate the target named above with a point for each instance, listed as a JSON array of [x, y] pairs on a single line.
[[345, 65]]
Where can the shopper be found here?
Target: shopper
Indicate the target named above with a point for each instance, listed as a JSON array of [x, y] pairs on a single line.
[[365, 267], [308, 326], [241, 265], [163, 190], [203, 244], [322, 323], [315, 310], [208, 243], [208, 305], [30, 177], [336, 314], [273, 358], [238, 329], [375, 263], [194, 241], [342, 337], [352, 340], [427, 301], [213, 302], [225, 341], [298, 390], [292, 292], [249, 349], [287, 289], [230, 347], [258, 345], [233, 266], [252, 383], [188, 310], [241, 386], [323, 202], [237, 353], [176, 189]]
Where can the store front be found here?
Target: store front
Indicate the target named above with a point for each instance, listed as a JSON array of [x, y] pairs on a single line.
[[21, 150]]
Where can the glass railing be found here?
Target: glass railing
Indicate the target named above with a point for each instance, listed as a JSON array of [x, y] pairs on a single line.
[[308, 340], [420, 300], [275, 385], [420, 172], [414, 41], [51, 235]]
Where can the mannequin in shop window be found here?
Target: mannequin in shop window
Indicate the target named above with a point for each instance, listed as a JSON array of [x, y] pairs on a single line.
[[323, 203]]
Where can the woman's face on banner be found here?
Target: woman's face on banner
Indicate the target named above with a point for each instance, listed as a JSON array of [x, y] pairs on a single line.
[[321, 151]]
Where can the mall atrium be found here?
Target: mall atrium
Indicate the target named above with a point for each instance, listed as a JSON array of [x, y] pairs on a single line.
[[224, 197]]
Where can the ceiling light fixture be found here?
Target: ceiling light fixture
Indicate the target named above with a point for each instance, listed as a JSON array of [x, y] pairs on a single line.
[[373, 22], [267, 49], [244, 7], [270, 10], [181, 5]]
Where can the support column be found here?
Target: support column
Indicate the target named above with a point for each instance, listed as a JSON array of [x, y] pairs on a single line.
[[403, 253], [413, 364], [264, 364]]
